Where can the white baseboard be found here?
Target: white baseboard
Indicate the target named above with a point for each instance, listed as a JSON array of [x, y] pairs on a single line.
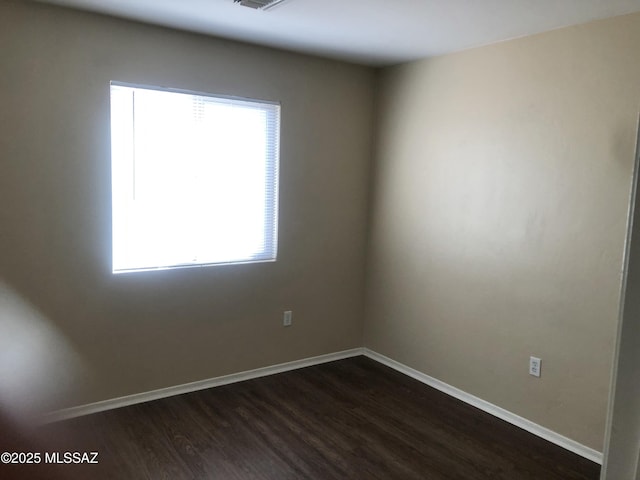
[[483, 405], [113, 403], [494, 410]]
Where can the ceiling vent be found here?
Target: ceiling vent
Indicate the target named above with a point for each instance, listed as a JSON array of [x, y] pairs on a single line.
[[259, 4]]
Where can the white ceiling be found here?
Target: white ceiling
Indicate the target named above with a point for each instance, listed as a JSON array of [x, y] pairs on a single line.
[[371, 32]]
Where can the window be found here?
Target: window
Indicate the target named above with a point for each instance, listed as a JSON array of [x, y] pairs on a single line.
[[194, 179]]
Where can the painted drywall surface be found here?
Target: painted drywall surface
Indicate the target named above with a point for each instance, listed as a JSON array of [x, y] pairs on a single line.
[[502, 183], [137, 332]]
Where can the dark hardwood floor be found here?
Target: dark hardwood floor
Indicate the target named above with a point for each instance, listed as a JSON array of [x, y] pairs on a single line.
[[350, 419]]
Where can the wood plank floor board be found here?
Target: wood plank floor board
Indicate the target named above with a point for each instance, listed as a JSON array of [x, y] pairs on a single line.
[[349, 419]]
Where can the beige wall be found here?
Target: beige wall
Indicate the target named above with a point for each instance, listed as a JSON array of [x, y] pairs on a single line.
[[137, 332], [502, 183]]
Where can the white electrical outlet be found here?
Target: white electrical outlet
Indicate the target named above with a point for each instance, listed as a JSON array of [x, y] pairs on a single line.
[[287, 318], [535, 364]]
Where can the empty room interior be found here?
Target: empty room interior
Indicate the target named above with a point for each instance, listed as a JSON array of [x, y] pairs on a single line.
[[446, 286]]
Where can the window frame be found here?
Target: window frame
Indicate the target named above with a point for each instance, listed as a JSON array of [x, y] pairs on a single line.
[[271, 162]]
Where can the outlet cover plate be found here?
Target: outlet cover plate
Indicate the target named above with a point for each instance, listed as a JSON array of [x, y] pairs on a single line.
[[535, 366]]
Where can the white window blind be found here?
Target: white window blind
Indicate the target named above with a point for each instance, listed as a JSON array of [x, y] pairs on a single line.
[[194, 179]]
